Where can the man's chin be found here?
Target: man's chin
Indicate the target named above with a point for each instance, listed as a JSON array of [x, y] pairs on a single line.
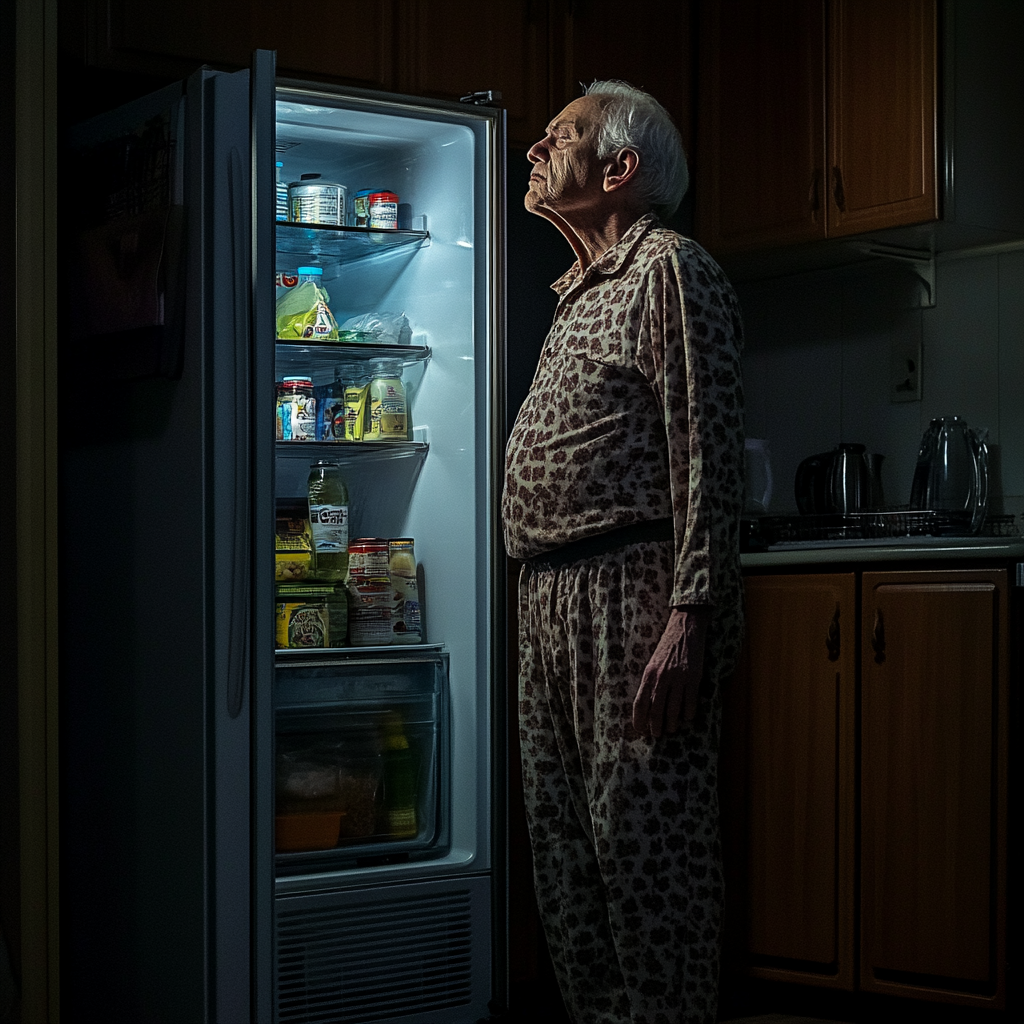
[[534, 203]]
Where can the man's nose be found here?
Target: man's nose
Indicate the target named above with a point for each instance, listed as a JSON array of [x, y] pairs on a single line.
[[537, 152]]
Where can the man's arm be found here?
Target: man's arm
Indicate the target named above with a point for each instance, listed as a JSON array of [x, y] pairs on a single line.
[[694, 398]]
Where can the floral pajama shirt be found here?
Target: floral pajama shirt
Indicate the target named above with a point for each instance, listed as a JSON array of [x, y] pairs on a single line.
[[634, 415]]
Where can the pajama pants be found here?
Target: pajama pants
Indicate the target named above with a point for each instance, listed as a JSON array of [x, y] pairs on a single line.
[[624, 828]]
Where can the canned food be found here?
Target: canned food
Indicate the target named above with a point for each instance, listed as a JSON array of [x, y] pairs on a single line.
[[313, 201], [368, 559], [383, 210], [369, 622], [361, 207]]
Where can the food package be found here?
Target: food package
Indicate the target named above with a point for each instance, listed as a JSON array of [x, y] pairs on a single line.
[[293, 558], [329, 791], [304, 314], [381, 328], [311, 615]]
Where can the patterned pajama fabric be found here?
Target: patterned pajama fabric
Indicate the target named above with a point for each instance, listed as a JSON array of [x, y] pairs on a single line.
[[635, 414], [627, 861]]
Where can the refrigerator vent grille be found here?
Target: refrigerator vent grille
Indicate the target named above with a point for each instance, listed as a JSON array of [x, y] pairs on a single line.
[[375, 960]]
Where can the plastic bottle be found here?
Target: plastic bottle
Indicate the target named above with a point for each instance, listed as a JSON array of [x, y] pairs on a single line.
[[303, 312], [399, 779], [328, 520], [406, 620], [388, 417]]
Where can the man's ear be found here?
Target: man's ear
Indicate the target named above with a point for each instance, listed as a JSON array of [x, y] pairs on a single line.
[[620, 169]]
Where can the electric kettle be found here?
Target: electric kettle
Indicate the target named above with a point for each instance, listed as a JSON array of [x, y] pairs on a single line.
[[844, 480], [952, 474]]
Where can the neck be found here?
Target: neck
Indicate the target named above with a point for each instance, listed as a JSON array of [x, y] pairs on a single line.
[[591, 238]]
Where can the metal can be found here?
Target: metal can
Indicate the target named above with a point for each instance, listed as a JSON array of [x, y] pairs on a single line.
[[314, 201], [383, 210], [369, 559], [361, 207], [369, 621]]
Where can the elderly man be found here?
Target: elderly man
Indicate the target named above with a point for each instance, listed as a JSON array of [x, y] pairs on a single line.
[[622, 497]]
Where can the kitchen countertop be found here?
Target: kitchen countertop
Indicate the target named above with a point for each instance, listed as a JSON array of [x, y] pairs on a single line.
[[889, 549]]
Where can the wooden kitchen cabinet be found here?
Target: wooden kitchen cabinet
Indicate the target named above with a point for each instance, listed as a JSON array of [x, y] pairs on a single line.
[[452, 47], [934, 711], [534, 52], [787, 765], [926, 846], [351, 41], [817, 119]]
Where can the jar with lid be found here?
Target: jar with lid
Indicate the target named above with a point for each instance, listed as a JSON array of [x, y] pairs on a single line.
[[406, 613], [388, 412], [296, 409]]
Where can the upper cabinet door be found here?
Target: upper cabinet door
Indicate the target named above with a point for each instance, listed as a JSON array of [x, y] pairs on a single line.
[[882, 114], [759, 167], [454, 47]]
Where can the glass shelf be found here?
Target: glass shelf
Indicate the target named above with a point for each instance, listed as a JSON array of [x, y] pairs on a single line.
[[295, 357], [344, 244], [308, 657], [345, 451]]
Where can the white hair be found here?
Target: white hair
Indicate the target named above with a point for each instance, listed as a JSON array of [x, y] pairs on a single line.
[[633, 119]]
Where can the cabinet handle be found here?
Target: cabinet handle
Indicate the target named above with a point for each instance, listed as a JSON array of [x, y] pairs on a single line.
[[832, 636], [878, 638], [838, 192], [813, 200]]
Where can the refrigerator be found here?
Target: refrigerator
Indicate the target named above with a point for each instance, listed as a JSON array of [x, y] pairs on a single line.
[[232, 845]]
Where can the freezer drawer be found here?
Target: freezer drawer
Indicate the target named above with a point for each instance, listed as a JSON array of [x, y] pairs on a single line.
[[361, 762]]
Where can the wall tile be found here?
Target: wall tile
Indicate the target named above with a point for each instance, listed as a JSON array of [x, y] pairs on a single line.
[[1011, 379], [816, 369], [961, 344]]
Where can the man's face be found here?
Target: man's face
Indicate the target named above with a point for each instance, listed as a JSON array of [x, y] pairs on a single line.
[[566, 172]]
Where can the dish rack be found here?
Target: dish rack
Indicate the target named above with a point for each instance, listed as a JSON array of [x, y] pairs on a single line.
[[891, 522]]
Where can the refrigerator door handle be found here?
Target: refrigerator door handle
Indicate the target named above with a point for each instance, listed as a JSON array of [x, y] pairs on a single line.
[[238, 637]]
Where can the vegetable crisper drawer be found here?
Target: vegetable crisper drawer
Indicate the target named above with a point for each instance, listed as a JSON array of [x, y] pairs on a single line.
[[361, 763]]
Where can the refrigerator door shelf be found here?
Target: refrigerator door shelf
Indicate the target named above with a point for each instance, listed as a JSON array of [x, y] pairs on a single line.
[[339, 245], [343, 451], [295, 357], [309, 657]]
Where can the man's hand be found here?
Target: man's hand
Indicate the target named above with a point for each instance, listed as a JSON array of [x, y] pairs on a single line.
[[671, 680]]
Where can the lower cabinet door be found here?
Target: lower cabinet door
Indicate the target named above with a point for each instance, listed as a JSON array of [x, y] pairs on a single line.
[[788, 783], [933, 784]]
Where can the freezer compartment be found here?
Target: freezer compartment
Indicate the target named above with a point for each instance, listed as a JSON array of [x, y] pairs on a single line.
[[361, 762]]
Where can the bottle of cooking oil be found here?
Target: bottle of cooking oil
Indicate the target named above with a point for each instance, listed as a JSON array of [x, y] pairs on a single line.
[[328, 520]]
